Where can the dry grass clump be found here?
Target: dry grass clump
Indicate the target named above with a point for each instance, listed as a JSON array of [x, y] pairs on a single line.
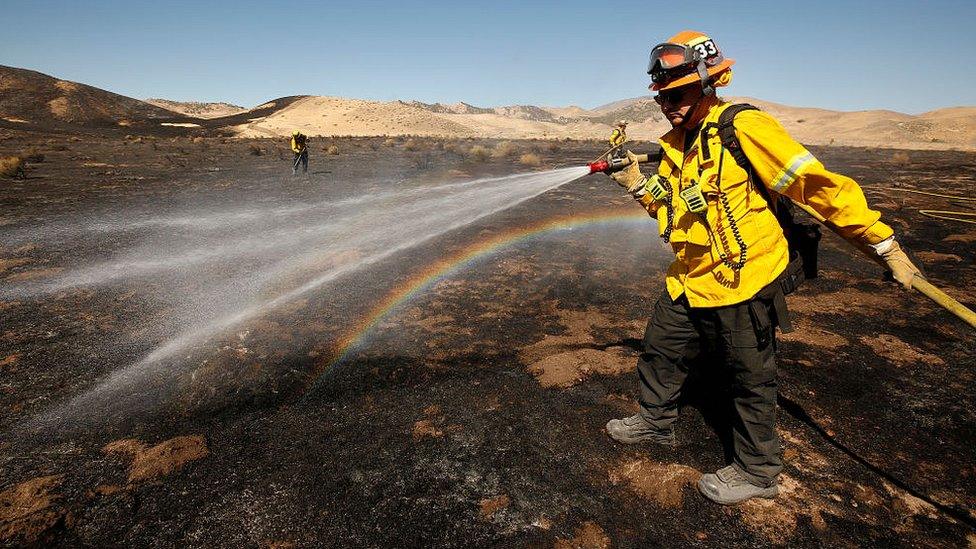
[[530, 159], [332, 150], [255, 150], [552, 146], [390, 142], [12, 166], [197, 139], [479, 153], [34, 156], [505, 149], [413, 145], [900, 158]]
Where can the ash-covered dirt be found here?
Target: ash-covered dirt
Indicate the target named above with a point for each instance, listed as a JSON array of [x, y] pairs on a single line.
[[472, 413]]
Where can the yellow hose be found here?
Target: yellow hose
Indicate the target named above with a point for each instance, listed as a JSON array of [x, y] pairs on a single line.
[[610, 150], [949, 215]]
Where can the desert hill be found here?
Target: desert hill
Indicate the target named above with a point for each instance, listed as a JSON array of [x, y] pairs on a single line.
[[197, 109], [29, 98], [941, 129]]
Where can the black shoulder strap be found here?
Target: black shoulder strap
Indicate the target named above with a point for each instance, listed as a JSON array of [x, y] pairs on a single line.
[[726, 133]]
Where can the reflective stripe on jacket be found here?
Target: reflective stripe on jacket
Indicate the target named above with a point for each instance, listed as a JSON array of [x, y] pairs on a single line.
[[617, 137], [783, 166]]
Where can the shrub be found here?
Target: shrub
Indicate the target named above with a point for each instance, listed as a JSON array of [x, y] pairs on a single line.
[[33, 156], [412, 145], [530, 159], [390, 142], [900, 158], [255, 150], [505, 149], [479, 153], [553, 146], [12, 166], [332, 150]]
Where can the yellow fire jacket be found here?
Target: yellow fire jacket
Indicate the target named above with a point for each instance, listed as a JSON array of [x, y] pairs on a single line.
[[298, 144], [617, 137], [735, 205]]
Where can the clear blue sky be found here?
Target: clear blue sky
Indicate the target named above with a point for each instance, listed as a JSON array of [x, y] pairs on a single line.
[[849, 55]]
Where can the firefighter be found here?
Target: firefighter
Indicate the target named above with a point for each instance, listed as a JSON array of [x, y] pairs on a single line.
[[299, 146], [617, 138], [715, 199]]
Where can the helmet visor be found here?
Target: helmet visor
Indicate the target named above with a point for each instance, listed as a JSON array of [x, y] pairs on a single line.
[[670, 61], [669, 56]]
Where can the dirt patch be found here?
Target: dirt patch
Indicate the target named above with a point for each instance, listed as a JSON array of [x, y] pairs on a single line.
[[899, 352], [965, 238], [26, 510], [425, 428], [490, 506], [662, 483], [816, 337], [6, 264], [567, 369], [776, 519], [10, 360], [842, 302], [31, 275], [907, 507], [588, 536], [161, 459], [933, 257]]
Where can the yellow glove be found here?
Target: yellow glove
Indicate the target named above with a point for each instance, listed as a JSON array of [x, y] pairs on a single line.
[[630, 177], [902, 268]]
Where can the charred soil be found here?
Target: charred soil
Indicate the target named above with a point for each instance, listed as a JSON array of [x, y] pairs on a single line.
[[472, 412]]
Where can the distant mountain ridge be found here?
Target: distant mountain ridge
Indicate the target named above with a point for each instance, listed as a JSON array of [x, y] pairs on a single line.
[[29, 99], [197, 109]]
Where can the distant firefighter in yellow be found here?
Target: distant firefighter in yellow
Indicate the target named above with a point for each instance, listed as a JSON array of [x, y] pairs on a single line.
[[617, 139], [299, 146]]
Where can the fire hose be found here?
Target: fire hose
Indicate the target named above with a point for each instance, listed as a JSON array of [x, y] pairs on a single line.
[[918, 283]]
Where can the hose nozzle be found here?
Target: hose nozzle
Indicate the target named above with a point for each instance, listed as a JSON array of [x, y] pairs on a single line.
[[616, 164]]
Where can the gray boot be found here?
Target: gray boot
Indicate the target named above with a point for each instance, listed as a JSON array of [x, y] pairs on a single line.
[[728, 486], [634, 429]]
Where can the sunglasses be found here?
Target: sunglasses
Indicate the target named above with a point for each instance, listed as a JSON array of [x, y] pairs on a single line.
[[673, 97]]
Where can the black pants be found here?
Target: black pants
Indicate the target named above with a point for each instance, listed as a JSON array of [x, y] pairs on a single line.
[[300, 158], [742, 336]]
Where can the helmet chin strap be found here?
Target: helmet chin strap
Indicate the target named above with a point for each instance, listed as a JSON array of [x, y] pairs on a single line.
[[705, 79]]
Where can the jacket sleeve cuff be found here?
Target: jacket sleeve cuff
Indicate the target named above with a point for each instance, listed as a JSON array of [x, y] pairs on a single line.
[[877, 233]]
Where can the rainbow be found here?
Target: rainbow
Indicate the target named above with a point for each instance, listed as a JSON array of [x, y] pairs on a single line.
[[425, 279]]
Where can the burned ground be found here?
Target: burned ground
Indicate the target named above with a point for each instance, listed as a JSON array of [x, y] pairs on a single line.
[[472, 412]]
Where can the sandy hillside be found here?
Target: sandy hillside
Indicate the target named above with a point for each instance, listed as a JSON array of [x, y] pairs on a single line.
[[941, 129], [197, 109], [31, 98], [356, 117]]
